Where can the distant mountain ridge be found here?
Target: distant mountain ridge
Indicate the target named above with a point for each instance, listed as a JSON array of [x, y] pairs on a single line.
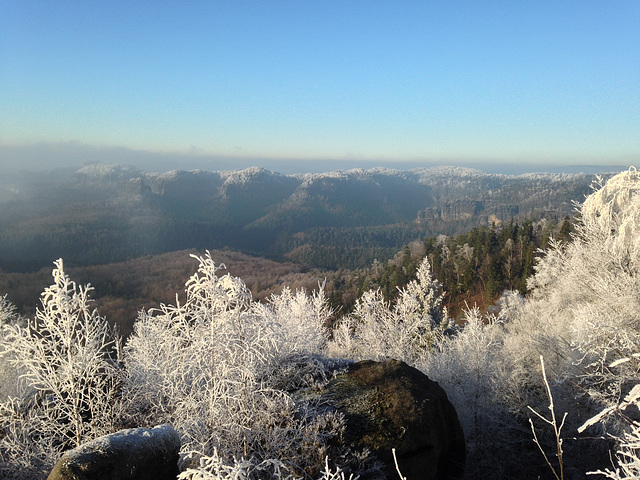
[[104, 213]]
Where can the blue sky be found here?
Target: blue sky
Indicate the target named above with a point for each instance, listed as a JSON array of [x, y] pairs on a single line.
[[516, 81]]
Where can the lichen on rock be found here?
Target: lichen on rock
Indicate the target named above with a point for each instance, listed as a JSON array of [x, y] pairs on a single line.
[[390, 405]]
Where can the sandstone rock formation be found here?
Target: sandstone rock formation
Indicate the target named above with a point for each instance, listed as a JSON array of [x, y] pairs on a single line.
[[390, 405]]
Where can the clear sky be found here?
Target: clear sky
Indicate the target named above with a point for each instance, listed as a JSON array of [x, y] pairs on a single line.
[[513, 81]]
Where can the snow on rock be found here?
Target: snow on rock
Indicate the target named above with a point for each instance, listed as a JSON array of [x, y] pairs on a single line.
[[135, 453], [110, 172], [247, 175]]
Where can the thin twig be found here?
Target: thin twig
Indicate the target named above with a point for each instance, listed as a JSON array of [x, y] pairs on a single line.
[[557, 430], [393, 451]]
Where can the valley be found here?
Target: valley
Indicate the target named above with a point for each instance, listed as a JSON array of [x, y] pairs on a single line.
[[131, 233], [101, 214]]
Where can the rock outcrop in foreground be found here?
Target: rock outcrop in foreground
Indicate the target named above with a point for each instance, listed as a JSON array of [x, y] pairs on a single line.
[[386, 405], [133, 454], [391, 405]]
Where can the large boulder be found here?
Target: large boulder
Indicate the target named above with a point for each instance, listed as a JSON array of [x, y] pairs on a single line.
[[135, 453], [390, 405]]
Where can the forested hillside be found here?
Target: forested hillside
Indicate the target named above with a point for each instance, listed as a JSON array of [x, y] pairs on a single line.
[[123, 288], [105, 213], [474, 268], [545, 386]]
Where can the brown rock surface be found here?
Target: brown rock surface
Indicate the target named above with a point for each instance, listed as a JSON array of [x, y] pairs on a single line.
[[390, 405]]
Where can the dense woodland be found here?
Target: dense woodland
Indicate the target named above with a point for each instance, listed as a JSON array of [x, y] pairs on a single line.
[[473, 268], [104, 214]]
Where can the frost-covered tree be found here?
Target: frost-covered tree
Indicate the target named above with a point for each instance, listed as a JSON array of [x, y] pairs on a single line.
[[421, 300], [7, 311], [68, 361], [372, 331], [583, 315], [591, 287]]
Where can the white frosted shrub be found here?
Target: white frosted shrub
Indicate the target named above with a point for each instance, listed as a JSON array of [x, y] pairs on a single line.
[[9, 375], [406, 332], [214, 468], [207, 367], [372, 331], [628, 452], [509, 305], [69, 380], [528, 332], [300, 320], [466, 367]]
